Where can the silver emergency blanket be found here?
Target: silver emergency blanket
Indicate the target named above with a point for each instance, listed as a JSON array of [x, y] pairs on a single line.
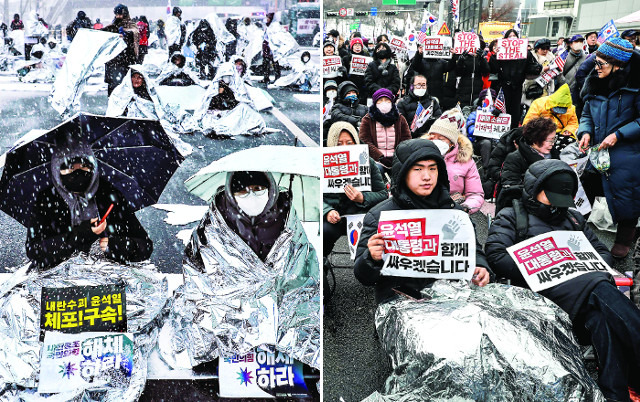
[[281, 42], [33, 27], [20, 347], [232, 301], [242, 90], [299, 74], [249, 43], [90, 48], [493, 343], [172, 30]]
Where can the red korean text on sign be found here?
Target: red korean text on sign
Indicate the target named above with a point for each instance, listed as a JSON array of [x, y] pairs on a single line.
[[406, 237], [542, 254], [338, 165]]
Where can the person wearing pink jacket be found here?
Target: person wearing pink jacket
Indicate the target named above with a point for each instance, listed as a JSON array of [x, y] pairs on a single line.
[[464, 180]]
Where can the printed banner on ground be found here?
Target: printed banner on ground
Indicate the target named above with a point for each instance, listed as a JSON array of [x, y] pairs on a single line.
[[85, 360], [83, 309], [359, 64], [512, 49], [354, 229], [424, 243], [466, 41], [490, 126], [261, 374], [330, 65], [555, 257], [346, 165], [437, 47]]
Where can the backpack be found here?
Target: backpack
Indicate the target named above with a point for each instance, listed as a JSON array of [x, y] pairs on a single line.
[[522, 220]]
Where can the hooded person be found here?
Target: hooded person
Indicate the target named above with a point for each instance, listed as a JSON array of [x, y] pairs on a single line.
[[81, 21], [408, 104], [175, 31], [268, 57], [34, 29], [232, 27], [204, 40], [174, 73], [347, 108], [16, 23], [65, 216], [135, 97], [464, 79], [602, 315], [381, 72], [116, 68], [304, 76], [557, 107], [419, 180]]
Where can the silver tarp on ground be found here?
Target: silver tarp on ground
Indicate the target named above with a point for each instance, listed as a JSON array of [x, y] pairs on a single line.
[[493, 343], [20, 322], [299, 74], [232, 302]]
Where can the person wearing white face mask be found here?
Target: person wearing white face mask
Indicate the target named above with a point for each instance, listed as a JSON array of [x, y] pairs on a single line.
[[409, 104], [383, 128], [575, 58]]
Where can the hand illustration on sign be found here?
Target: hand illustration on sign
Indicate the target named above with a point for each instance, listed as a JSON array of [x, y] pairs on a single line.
[[574, 243], [364, 158], [450, 229]]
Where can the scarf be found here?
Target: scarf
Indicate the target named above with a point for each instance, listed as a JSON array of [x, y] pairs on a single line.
[[387, 119]]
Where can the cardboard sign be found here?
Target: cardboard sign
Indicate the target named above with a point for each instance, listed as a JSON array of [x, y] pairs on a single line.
[[490, 126], [512, 49], [359, 64], [346, 165], [437, 47], [354, 229], [423, 243], [83, 309], [330, 65], [397, 45], [466, 41], [85, 360], [555, 257], [261, 374]]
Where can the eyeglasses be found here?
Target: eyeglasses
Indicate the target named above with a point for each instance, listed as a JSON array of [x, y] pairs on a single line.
[[420, 86], [551, 141], [254, 188], [600, 64]]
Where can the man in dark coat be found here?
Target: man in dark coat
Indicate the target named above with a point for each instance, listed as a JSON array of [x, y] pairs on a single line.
[[433, 69], [419, 181], [467, 78], [204, 40], [16, 23], [381, 72], [407, 106], [116, 68], [347, 108], [81, 21], [64, 219], [600, 313]]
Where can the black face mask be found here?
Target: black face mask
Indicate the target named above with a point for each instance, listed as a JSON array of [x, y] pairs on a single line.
[[383, 54], [547, 213], [77, 181]]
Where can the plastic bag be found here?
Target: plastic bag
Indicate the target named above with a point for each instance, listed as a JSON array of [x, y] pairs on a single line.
[[601, 217], [599, 159]]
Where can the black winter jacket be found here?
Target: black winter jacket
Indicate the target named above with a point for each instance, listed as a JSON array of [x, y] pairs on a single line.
[[518, 161], [374, 79], [512, 73], [433, 69], [470, 70], [366, 270], [344, 111], [116, 68], [504, 147], [51, 239], [569, 295], [408, 105], [358, 80]]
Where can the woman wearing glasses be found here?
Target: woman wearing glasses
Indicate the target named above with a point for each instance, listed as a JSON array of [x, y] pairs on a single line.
[[611, 120], [407, 106], [536, 143]]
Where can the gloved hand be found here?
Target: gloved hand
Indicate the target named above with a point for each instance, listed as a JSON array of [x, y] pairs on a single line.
[[479, 52], [121, 31], [495, 112], [343, 71]]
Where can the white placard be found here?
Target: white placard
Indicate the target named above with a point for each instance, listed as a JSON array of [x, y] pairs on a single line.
[[397, 44], [437, 47], [307, 25], [512, 49], [330, 65], [354, 229], [345, 165], [359, 64], [428, 243], [555, 257], [466, 41], [490, 126]]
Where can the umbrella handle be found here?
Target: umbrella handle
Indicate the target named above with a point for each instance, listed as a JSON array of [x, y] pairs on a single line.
[[105, 215]]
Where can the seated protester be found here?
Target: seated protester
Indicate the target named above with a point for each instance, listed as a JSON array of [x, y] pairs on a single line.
[[383, 128], [347, 108], [560, 110], [65, 216], [465, 186], [419, 181], [174, 73], [357, 49], [433, 69], [601, 314], [381, 72], [353, 201], [329, 49], [408, 105], [241, 67], [482, 146], [135, 97], [330, 91], [506, 144], [304, 75], [538, 137], [224, 99], [329, 98]]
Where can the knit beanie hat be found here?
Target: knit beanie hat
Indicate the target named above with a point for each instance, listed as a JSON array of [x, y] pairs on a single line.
[[356, 40], [617, 49], [337, 128], [329, 43], [445, 128], [330, 84], [382, 92]]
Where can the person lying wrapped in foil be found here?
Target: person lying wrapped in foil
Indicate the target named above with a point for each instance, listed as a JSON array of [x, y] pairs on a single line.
[[304, 76], [251, 279], [20, 347], [493, 343]]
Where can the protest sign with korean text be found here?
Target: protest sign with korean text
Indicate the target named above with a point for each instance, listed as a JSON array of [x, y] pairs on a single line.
[[581, 200], [555, 257], [438, 47], [512, 49], [397, 45], [330, 65], [466, 42], [425, 243], [490, 126], [261, 374], [359, 64], [83, 309], [85, 360], [346, 165], [354, 229]]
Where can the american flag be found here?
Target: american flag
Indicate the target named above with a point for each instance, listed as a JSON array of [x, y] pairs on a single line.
[[499, 104], [422, 35], [560, 60]]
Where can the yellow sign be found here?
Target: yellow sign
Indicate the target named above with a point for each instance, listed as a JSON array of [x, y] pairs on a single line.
[[494, 29], [444, 30]]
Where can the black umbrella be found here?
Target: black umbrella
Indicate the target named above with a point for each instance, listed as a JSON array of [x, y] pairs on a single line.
[[135, 155]]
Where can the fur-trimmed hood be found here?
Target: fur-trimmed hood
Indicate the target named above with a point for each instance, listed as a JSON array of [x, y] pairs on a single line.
[[462, 152]]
